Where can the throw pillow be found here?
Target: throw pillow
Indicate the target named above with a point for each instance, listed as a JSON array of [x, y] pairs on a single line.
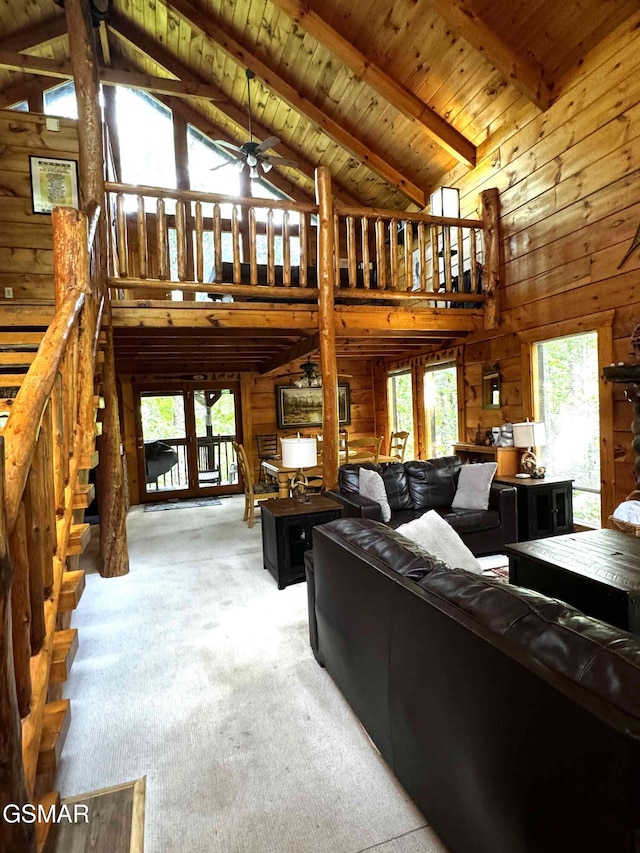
[[474, 484], [436, 536], [372, 487]]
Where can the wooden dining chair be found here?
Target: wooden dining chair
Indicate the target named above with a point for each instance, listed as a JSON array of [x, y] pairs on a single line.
[[253, 494], [398, 444], [364, 449]]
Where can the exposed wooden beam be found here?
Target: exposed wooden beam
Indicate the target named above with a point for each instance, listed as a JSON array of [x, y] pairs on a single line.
[[523, 72], [151, 49], [105, 47], [212, 29], [439, 130], [23, 91], [304, 347], [36, 35], [61, 69]]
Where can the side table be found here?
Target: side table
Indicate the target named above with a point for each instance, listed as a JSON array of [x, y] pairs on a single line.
[[287, 527], [545, 507]]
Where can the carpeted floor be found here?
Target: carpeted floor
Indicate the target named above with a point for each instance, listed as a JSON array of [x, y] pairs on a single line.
[[196, 671]]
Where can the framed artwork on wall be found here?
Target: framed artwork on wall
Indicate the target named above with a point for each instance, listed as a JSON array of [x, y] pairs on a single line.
[[299, 408], [54, 183]]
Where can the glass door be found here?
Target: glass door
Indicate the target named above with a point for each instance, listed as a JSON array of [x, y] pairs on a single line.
[[215, 429], [164, 463]]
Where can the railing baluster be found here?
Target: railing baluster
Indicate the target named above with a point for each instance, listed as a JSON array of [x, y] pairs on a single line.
[[123, 252], [380, 255], [460, 239], [286, 250], [217, 241], [21, 613], [271, 262], [253, 251], [446, 235], [235, 239], [435, 259], [474, 260], [35, 547], [58, 455], [162, 242], [366, 272], [142, 237], [422, 254], [181, 242], [352, 261], [48, 496], [336, 249], [408, 253], [199, 243], [393, 253], [303, 249]]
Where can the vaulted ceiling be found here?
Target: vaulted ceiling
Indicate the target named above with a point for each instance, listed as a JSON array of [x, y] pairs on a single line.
[[389, 94]]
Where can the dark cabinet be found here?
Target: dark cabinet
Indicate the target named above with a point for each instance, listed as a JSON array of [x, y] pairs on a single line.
[[287, 532], [545, 507]]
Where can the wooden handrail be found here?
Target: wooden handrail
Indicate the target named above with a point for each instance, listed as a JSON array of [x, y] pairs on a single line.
[[213, 198], [405, 216], [22, 426]]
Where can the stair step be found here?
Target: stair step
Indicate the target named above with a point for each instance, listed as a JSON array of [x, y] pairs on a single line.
[[102, 338], [73, 584], [6, 403], [88, 462], [98, 428], [46, 832], [16, 358], [65, 646], [79, 536], [21, 338], [85, 493], [55, 725], [98, 402], [12, 380]]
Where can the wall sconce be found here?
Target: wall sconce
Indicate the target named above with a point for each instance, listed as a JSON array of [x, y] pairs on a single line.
[[445, 202]]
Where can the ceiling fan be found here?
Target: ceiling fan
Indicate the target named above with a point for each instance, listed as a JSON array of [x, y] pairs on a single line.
[[252, 153], [311, 377]]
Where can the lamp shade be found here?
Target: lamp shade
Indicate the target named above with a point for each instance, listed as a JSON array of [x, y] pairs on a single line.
[[299, 452], [529, 434]]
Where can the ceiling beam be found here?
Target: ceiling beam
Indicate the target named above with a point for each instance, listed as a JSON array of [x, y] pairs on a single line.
[[207, 26], [61, 69], [23, 90], [36, 35], [304, 347], [437, 128], [523, 72], [141, 42]]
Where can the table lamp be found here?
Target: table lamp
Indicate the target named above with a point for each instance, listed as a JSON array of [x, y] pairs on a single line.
[[528, 435], [299, 453]]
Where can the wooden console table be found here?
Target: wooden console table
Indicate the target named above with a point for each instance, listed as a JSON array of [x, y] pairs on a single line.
[[597, 571], [506, 457]]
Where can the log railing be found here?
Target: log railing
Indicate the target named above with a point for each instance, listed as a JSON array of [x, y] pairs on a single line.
[[168, 240], [46, 443]]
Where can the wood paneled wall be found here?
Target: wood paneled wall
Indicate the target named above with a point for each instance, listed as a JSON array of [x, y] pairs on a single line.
[[26, 248], [570, 205]]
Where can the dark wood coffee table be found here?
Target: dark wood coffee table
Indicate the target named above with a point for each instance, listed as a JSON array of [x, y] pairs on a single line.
[[597, 571]]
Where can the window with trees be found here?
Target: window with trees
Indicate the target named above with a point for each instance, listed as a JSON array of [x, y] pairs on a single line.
[[441, 409], [61, 101], [400, 396], [566, 399]]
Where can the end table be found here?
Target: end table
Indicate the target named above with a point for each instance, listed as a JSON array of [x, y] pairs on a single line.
[[287, 527], [545, 507]]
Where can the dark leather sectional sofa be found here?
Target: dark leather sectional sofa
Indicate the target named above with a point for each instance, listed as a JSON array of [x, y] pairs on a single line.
[[512, 720], [413, 488]]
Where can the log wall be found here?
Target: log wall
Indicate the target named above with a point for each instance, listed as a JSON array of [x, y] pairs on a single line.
[[570, 206], [26, 247]]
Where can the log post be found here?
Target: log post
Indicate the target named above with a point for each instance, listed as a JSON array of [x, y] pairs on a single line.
[[14, 837], [491, 234], [110, 474], [326, 327]]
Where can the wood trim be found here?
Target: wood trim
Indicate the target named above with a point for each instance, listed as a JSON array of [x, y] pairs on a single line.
[[573, 326], [36, 35]]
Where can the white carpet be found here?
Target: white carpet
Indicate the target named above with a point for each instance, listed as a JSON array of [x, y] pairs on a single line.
[[196, 670]]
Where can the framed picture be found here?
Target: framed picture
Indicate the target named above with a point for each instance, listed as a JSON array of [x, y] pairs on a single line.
[[53, 182], [302, 407]]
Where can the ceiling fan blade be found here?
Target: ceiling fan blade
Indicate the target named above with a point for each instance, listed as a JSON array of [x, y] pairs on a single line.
[[222, 165], [280, 161], [269, 142], [226, 144]]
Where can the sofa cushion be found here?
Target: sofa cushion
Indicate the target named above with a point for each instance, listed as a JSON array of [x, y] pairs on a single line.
[[432, 533], [372, 487], [432, 483], [471, 520], [349, 476], [397, 485], [474, 482], [380, 542], [402, 516]]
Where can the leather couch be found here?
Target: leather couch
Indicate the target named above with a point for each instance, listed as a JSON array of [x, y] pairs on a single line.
[[415, 487], [511, 719]]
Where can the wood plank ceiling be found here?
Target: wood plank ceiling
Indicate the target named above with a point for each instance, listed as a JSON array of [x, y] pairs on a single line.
[[390, 95]]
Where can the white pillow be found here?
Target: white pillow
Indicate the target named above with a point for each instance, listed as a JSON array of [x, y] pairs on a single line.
[[438, 537], [474, 484], [371, 486]]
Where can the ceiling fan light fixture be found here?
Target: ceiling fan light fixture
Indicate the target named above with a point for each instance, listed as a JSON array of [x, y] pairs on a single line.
[[266, 166], [252, 160], [253, 173]]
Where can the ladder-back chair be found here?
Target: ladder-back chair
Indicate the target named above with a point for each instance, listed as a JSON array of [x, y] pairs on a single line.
[[252, 494], [364, 449], [267, 446], [398, 444]]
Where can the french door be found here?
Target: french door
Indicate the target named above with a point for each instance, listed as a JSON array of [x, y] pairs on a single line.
[[185, 432]]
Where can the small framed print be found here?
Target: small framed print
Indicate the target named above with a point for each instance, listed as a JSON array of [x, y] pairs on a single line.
[[54, 183]]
